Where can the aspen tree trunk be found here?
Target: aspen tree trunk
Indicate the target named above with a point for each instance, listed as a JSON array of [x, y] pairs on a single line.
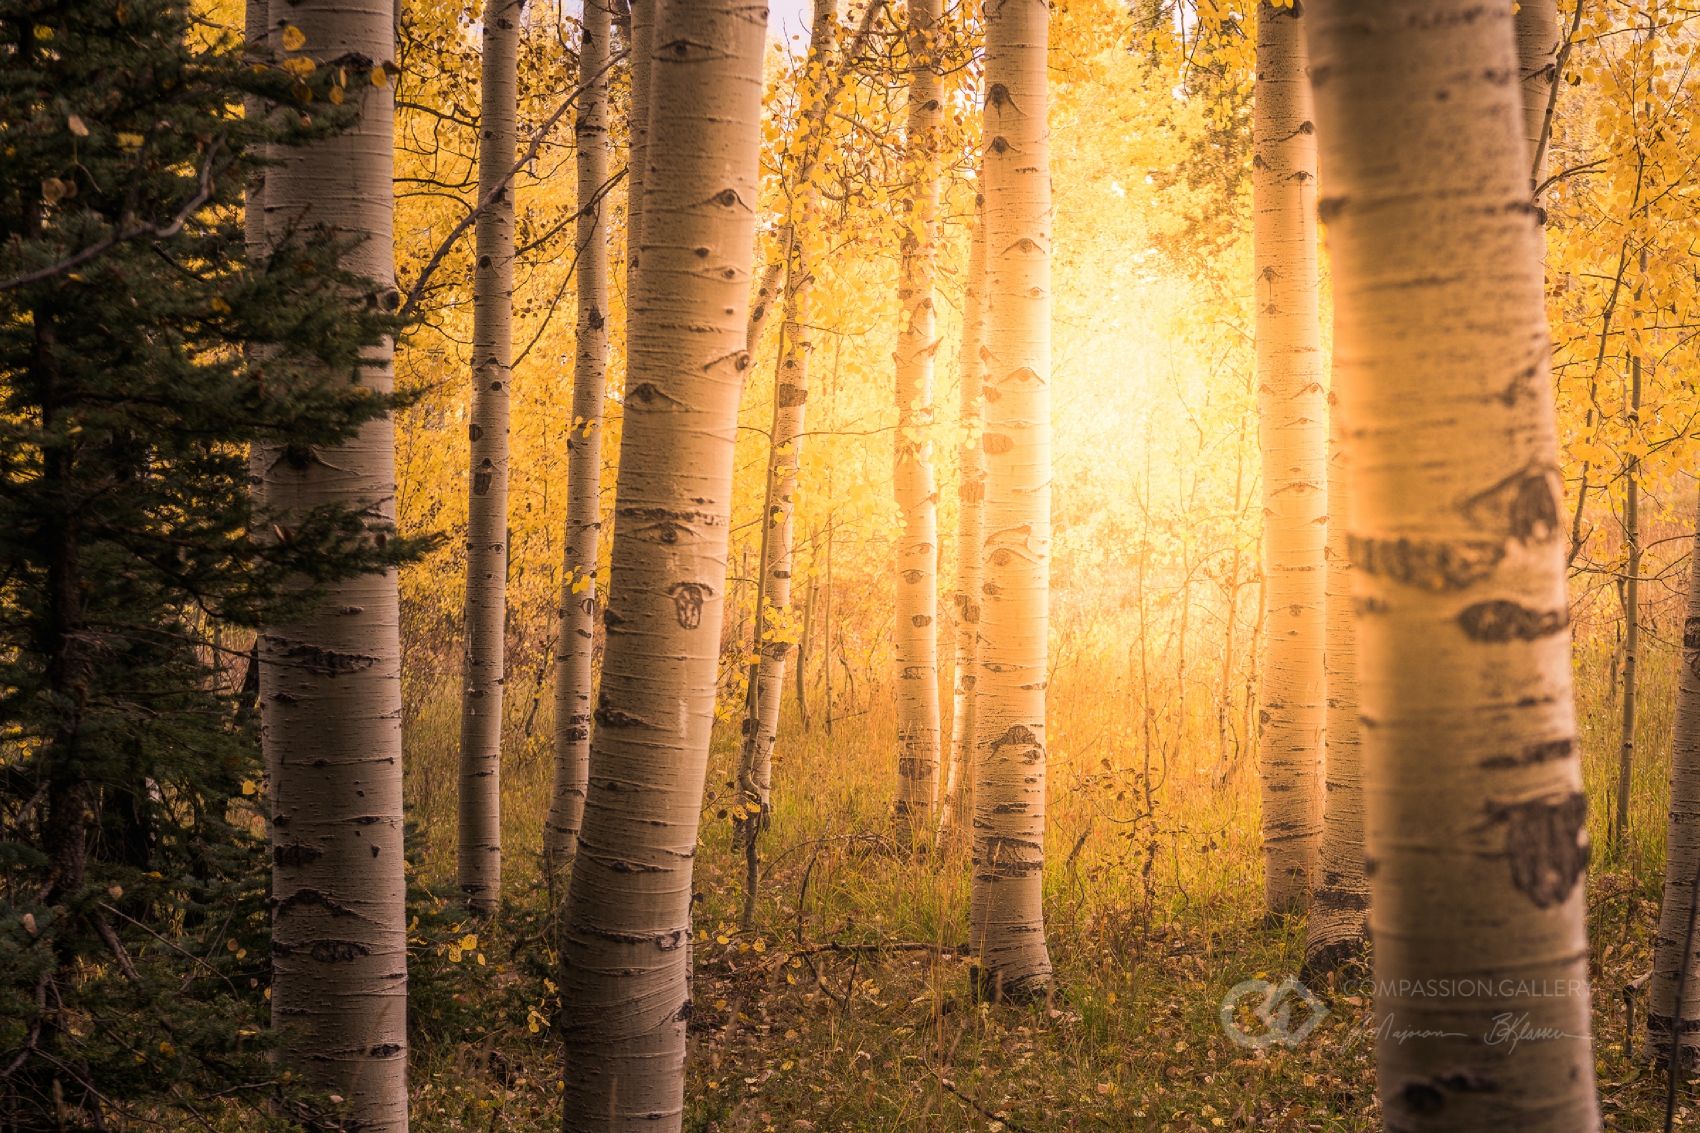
[[1293, 434], [1007, 906], [970, 535], [1631, 614], [1537, 63], [330, 683], [642, 47], [1335, 929], [785, 449], [1475, 820], [625, 950], [480, 827], [915, 639], [1671, 1000], [575, 637]]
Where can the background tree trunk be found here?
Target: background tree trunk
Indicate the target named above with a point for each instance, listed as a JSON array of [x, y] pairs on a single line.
[[1670, 1001], [1335, 929], [1475, 820], [915, 639], [575, 639], [1631, 593], [785, 450], [624, 948], [1537, 62], [970, 532], [330, 683], [1007, 906], [1293, 436], [480, 826]]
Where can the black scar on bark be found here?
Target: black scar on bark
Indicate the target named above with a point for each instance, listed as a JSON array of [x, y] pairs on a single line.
[[1546, 844], [688, 600], [1543, 752], [1425, 564], [1500, 621]]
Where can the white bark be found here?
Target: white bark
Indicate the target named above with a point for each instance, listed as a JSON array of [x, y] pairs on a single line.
[[627, 929], [480, 812], [1292, 431], [575, 639], [970, 535], [1475, 820], [330, 689], [915, 639], [1007, 913]]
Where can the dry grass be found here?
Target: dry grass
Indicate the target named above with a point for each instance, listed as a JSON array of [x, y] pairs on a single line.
[[845, 1007]]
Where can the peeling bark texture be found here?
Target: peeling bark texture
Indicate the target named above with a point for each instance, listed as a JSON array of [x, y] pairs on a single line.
[[915, 638], [1474, 816], [1007, 894], [624, 993], [330, 683], [970, 535], [479, 845], [1668, 993], [785, 451], [1537, 64], [576, 636], [1293, 435], [1335, 930]]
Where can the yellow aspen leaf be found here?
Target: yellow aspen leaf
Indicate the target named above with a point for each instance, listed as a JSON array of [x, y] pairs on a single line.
[[300, 66], [294, 39], [248, 785], [469, 942]]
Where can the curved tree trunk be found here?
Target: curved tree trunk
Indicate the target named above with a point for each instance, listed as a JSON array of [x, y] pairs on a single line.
[[915, 639], [1335, 931], [480, 826], [970, 534], [785, 450], [1475, 821], [624, 948], [1670, 997], [576, 634], [330, 683], [1007, 907], [1537, 63], [1294, 438]]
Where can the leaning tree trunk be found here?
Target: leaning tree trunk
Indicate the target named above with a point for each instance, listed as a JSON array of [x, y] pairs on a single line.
[[624, 946], [1537, 64], [915, 639], [1292, 420], [576, 634], [970, 535], [480, 803], [1475, 822], [775, 641], [330, 685], [1007, 906], [1335, 930], [1675, 992]]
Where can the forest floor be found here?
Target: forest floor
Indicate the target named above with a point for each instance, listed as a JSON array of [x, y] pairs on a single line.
[[845, 1005]]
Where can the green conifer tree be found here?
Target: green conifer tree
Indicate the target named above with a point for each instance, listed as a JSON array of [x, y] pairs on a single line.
[[141, 355]]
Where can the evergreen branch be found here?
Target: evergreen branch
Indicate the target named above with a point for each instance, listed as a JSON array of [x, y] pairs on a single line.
[[128, 232]]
